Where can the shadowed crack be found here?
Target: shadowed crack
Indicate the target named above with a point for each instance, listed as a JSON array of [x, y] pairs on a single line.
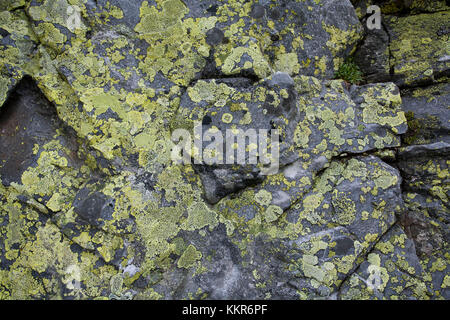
[[27, 119]]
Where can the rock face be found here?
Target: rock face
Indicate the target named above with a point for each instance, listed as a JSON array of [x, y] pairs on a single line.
[[409, 50], [93, 204]]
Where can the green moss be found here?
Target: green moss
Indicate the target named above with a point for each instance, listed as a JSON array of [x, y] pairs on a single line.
[[350, 72], [413, 128]]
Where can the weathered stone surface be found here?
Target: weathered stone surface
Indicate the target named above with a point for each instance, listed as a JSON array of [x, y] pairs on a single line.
[[92, 205], [424, 166], [372, 120], [419, 47], [373, 56], [426, 192], [17, 43], [27, 119], [392, 271], [409, 50], [403, 52], [312, 249], [392, 7], [427, 110]]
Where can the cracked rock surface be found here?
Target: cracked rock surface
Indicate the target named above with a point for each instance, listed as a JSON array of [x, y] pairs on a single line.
[[93, 207]]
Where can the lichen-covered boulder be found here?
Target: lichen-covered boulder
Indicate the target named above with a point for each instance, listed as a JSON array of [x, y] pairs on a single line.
[[424, 164], [392, 271], [17, 44], [95, 204], [397, 7], [410, 50], [310, 249], [428, 114], [418, 48]]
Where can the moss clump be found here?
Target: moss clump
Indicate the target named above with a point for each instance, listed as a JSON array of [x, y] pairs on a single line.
[[349, 72], [413, 128]]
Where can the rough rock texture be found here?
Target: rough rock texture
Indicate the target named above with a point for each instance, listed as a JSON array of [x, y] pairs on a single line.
[[411, 48], [93, 207]]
